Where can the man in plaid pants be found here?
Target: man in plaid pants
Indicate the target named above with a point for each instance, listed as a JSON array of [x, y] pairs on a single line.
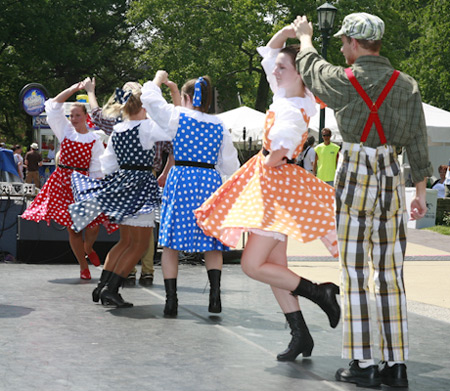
[[378, 110]]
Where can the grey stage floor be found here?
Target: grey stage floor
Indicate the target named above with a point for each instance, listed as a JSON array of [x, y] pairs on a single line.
[[53, 337]]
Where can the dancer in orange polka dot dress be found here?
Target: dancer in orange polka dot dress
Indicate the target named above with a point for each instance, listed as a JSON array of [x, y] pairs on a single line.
[[80, 151], [272, 198]]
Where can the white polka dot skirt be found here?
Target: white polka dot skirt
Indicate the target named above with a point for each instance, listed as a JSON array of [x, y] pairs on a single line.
[[188, 187], [286, 199]]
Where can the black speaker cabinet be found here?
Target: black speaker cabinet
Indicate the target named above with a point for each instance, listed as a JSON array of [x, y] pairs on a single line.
[[10, 208], [43, 243]]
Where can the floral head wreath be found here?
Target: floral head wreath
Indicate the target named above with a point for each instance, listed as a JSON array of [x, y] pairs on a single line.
[[197, 99]]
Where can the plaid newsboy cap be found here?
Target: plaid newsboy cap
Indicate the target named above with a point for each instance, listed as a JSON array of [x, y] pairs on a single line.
[[362, 26]]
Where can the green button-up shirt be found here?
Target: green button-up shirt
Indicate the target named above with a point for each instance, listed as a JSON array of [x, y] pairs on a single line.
[[401, 114]]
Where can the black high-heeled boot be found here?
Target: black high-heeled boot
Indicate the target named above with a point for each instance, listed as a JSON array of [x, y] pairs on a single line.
[[111, 296], [301, 342], [324, 295], [104, 277], [215, 304], [171, 307]]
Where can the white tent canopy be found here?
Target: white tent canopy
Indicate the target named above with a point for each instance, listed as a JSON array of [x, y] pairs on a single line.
[[437, 121], [244, 117], [438, 124]]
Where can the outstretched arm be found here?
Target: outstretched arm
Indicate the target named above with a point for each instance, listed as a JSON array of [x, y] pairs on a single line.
[[89, 86], [280, 37], [68, 92], [174, 92]]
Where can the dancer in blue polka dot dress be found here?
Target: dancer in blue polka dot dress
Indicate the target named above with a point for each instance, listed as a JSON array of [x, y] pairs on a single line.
[[203, 150], [128, 194]]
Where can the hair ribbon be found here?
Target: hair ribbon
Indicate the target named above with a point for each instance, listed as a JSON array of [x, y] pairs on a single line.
[[122, 96], [197, 99]]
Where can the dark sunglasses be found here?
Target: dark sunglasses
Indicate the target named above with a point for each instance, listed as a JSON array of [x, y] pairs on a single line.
[[326, 135]]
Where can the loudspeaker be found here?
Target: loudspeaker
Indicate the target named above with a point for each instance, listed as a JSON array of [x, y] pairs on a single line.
[[10, 208], [43, 243]]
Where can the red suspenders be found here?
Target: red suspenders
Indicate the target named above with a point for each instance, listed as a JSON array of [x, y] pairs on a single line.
[[373, 117]]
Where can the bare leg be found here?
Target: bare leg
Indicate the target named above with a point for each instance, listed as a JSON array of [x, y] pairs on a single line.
[[285, 299], [254, 263], [139, 241], [77, 245], [213, 260], [116, 252], [169, 263], [90, 236]]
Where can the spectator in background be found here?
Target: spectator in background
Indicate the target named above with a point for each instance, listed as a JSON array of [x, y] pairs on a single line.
[[51, 158], [33, 160], [327, 154], [447, 181], [18, 159], [308, 156], [439, 184]]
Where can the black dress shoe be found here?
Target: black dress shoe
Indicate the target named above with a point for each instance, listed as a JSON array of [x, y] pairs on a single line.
[[146, 279], [364, 377], [394, 376]]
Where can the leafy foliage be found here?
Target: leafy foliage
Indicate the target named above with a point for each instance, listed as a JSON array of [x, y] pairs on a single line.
[[56, 43]]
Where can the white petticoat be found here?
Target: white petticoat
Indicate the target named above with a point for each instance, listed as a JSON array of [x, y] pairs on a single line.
[[142, 220], [276, 235]]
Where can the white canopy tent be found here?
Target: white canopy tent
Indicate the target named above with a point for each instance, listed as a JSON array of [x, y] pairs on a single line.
[[437, 121], [244, 117], [438, 130]]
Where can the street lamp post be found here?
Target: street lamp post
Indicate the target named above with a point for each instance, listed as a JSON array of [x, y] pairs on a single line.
[[326, 15]]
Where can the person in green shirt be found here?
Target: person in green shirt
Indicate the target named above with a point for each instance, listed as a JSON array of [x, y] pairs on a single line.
[[327, 155]]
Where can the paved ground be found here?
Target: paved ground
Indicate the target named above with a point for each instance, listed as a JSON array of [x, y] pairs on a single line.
[[53, 338]]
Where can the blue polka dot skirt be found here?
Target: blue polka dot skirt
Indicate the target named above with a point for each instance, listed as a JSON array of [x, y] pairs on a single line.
[[188, 187]]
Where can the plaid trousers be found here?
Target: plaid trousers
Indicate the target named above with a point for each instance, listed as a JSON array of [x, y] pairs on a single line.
[[371, 225]]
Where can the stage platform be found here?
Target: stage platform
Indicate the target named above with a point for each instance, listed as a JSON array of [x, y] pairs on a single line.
[[54, 338]]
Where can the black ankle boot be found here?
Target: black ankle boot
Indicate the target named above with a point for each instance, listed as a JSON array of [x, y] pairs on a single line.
[[171, 307], [104, 277], [215, 304], [324, 295], [111, 296], [301, 342]]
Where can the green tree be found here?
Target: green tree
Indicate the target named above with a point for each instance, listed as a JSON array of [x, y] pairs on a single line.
[[428, 51], [57, 43]]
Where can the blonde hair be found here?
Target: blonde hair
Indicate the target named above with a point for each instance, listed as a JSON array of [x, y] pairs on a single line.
[[132, 106]]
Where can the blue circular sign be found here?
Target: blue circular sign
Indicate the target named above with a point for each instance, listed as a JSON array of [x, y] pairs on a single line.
[[33, 97]]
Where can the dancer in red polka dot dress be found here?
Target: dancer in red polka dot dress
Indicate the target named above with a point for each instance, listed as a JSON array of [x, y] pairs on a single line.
[[272, 198], [80, 151]]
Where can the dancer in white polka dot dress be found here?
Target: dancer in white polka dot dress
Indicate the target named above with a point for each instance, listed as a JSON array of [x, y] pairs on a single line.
[[128, 194], [203, 150], [80, 151], [273, 198]]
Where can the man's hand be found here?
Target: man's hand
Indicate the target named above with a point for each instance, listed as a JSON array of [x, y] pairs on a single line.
[[303, 28], [418, 208]]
